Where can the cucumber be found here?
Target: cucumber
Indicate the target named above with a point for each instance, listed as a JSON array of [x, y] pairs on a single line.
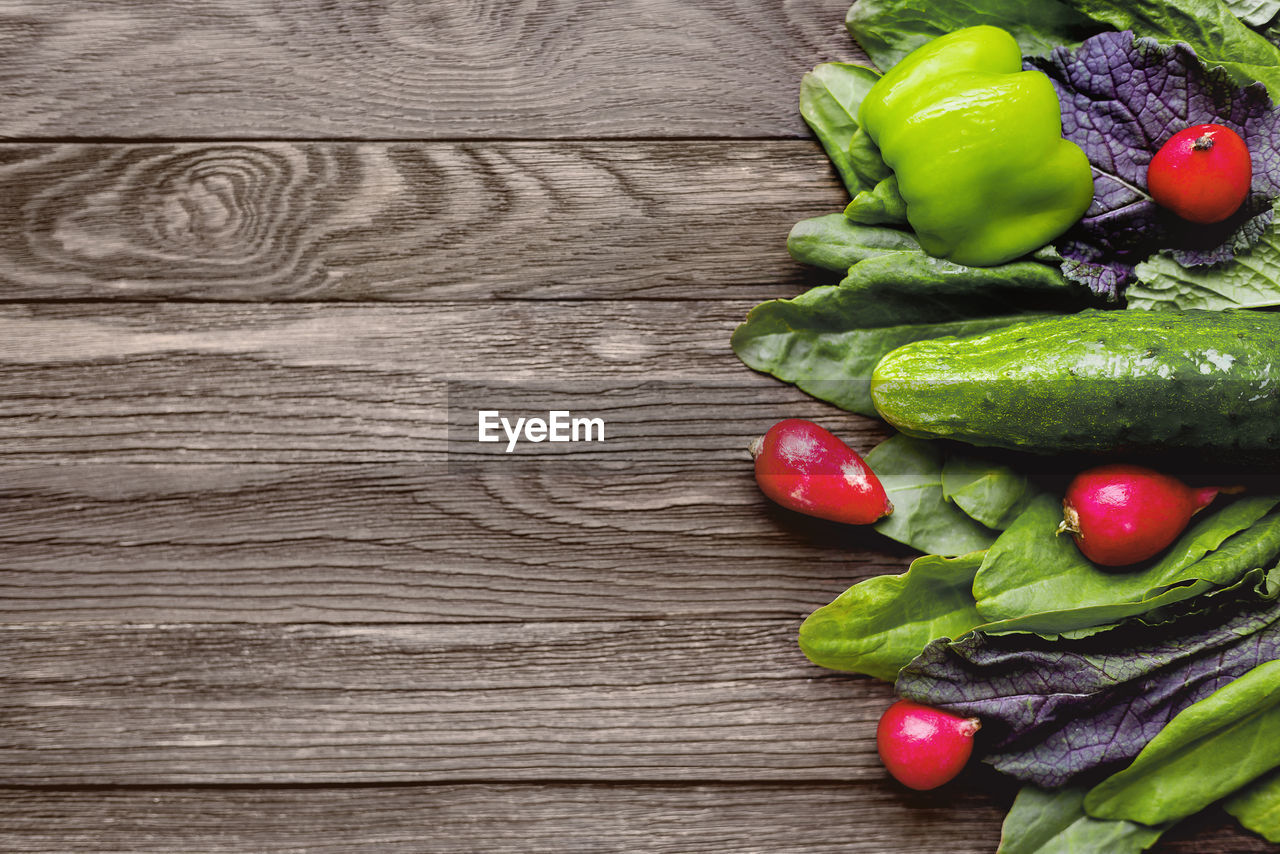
[[1098, 381]]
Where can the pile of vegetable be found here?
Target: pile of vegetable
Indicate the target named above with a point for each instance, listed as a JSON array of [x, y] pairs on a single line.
[[1058, 261]]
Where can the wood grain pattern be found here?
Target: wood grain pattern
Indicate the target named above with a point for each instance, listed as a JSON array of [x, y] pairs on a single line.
[[393, 70], [731, 699], [843, 818], [396, 543], [442, 221], [499, 819], [338, 382]]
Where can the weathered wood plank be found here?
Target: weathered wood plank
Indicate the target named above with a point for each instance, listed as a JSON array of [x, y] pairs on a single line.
[[688, 820], [845, 818], [502, 819], [599, 707], [534, 69], [393, 543], [187, 382], [427, 221], [731, 699]]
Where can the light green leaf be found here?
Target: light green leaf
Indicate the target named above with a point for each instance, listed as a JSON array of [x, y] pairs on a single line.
[[1030, 570], [1250, 280], [911, 471], [992, 493], [879, 625], [1257, 806], [881, 205], [1255, 13], [1209, 750], [1043, 822]]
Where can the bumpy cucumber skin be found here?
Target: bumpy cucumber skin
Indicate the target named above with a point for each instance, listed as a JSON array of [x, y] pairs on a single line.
[[1096, 381]]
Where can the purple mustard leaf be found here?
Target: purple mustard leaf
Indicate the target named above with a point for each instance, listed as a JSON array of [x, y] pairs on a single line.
[[1052, 711], [1122, 98]]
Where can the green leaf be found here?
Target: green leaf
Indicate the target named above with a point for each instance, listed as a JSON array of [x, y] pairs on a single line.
[[1030, 570], [1076, 623], [992, 493], [1257, 806], [830, 95], [1209, 750], [911, 471], [881, 205], [1250, 280], [864, 157], [828, 340], [833, 242], [1043, 822], [890, 29], [879, 625], [1216, 35], [1255, 13]]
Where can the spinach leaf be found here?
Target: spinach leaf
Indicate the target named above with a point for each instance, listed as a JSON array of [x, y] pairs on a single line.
[[1054, 710], [833, 242], [1030, 569], [890, 29], [991, 493], [1207, 751], [1255, 13], [1043, 822], [828, 340], [1250, 280], [878, 625], [1257, 806], [911, 471], [830, 95]]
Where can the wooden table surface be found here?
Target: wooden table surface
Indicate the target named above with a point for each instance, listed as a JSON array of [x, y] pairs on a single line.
[[255, 258]]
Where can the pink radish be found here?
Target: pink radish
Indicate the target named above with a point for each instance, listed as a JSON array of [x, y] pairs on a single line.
[[804, 467], [1122, 514], [923, 747]]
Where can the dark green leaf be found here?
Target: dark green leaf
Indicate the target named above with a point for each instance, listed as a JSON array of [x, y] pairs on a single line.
[[1208, 26], [833, 242], [828, 340], [890, 29], [830, 95], [1042, 822]]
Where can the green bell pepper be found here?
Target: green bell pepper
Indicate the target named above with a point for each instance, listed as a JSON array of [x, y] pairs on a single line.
[[976, 144]]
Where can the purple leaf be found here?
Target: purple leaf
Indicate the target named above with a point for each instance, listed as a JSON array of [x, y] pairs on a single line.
[[1054, 710], [1122, 98]]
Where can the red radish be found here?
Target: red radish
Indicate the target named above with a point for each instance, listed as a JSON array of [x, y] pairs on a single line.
[[924, 747], [1121, 514], [1202, 173], [804, 467]]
